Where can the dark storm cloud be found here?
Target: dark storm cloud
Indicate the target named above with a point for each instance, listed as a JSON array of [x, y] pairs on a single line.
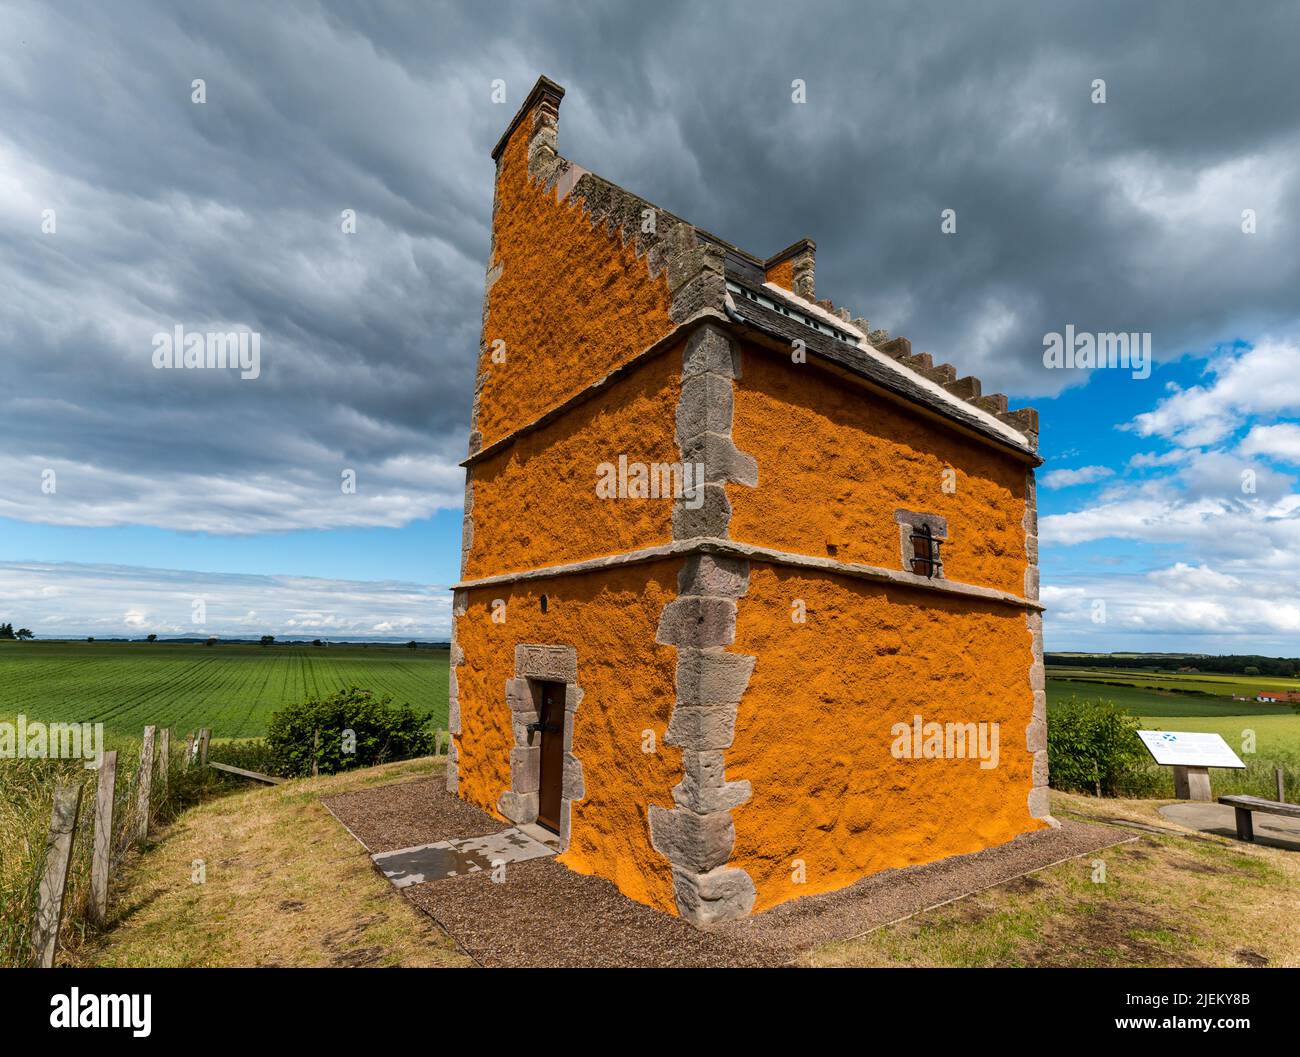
[[1115, 217]]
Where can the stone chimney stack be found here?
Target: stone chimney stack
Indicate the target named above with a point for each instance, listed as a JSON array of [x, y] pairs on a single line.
[[794, 268], [542, 109]]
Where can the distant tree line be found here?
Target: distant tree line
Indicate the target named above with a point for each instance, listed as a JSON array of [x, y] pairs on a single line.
[[1233, 664], [7, 632]]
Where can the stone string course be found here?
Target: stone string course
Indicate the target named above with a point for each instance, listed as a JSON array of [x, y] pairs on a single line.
[[737, 549]]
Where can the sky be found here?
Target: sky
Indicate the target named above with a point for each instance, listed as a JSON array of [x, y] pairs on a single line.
[[1170, 513]]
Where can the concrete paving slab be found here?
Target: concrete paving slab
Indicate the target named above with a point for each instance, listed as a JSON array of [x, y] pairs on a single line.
[[541, 833], [457, 858], [1275, 831]]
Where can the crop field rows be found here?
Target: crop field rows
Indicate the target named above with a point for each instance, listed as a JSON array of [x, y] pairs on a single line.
[[1190, 701], [231, 688], [1192, 683]]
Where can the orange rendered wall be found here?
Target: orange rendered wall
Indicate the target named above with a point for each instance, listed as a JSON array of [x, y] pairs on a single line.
[[535, 503], [813, 729], [627, 682], [571, 302], [835, 462], [782, 274]]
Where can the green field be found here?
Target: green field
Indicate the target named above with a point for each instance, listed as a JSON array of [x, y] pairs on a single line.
[[1151, 701], [1190, 684], [231, 688], [1189, 701]]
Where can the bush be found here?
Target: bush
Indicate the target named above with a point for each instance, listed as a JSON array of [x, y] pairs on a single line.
[[383, 732], [1092, 743], [252, 754]]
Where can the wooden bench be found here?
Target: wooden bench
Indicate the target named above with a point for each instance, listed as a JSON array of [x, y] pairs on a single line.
[[1246, 805]]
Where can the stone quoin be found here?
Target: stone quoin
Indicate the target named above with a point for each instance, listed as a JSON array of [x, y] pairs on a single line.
[[699, 694]]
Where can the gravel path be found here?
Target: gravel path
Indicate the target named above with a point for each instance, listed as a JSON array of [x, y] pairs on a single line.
[[545, 915], [407, 814], [892, 894]]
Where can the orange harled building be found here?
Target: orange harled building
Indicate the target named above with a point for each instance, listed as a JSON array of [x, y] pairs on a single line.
[[749, 595]]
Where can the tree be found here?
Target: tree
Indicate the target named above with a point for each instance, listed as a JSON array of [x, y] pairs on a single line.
[[23, 633], [91, 638], [6, 631], [412, 645], [151, 638], [315, 642], [267, 640], [212, 641]]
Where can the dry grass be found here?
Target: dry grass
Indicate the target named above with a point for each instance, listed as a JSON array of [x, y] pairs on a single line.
[[26, 797], [1176, 900], [285, 885]]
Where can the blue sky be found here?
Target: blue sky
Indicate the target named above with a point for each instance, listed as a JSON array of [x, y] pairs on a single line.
[[425, 551], [129, 206], [1168, 506]]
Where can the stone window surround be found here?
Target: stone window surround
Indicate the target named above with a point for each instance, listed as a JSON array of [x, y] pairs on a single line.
[[535, 664], [910, 521]]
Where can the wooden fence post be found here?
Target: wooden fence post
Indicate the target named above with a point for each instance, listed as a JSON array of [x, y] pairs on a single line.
[[164, 760], [146, 783], [204, 736], [1280, 775], [189, 751], [54, 879], [315, 753], [103, 856]]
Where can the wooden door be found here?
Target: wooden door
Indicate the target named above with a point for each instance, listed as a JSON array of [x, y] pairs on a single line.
[[551, 732]]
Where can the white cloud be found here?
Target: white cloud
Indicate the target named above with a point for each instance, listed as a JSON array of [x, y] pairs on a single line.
[[1263, 380], [389, 492], [1219, 474], [1083, 475], [1281, 442], [65, 599], [1236, 520], [1173, 457], [1216, 526], [1188, 601], [1191, 578], [1055, 597]]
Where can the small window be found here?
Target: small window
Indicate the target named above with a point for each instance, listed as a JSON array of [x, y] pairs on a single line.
[[921, 537], [546, 603], [925, 552]]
